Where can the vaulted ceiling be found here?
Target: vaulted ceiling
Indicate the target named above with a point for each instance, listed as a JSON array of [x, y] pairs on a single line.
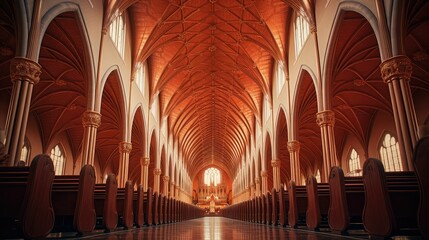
[[211, 64]]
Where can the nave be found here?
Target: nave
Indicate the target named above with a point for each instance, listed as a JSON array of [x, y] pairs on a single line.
[[216, 228]]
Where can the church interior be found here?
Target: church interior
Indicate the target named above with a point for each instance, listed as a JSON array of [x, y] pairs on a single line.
[[298, 115]]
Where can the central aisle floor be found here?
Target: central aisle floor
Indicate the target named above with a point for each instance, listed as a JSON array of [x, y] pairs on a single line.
[[215, 228]]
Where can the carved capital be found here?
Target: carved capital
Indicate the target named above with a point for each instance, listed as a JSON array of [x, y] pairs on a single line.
[[145, 161], [264, 173], [275, 163], [257, 180], [91, 119], [398, 67], [157, 171], [293, 146], [24, 69], [125, 147], [325, 118], [166, 178]]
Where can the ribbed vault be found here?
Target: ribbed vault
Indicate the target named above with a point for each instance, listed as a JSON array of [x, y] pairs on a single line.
[[210, 64]]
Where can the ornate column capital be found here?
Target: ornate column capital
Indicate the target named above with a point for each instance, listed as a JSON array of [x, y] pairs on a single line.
[[293, 146], [125, 147], [157, 171], [264, 173], [398, 67], [24, 69], [166, 178], [91, 119], [324, 118], [145, 161], [257, 180], [275, 163]]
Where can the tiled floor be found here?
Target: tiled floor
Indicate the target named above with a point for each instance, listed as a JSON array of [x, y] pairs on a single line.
[[216, 228]]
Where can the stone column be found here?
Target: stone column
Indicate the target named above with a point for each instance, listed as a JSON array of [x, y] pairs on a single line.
[[166, 180], [90, 121], [275, 163], [396, 73], [293, 147], [146, 162], [172, 187], [156, 180], [176, 192], [124, 159], [264, 181], [24, 73], [326, 121], [258, 186]]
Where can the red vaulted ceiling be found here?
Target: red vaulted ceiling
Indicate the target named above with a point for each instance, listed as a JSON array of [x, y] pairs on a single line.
[[211, 63]]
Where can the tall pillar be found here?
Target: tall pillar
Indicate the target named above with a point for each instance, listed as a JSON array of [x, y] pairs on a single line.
[[293, 147], [252, 190], [264, 182], [396, 73], [258, 186], [166, 180], [156, 180], [172, 187], [326, 121], [90, 121], [146, 162], [275, 163], [124, 159], [176, 191], [24, 73]]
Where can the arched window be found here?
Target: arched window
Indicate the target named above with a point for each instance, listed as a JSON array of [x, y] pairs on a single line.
[[389, 153], [117, 33], [354, 164], [25, 152], [302, 30], [212, 176], [58, 159], [139, 77]]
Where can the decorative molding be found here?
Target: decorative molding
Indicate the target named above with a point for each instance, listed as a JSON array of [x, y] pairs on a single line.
[[275, 163], [145, 161], [166, 178], [91, 119], [24, 69], [125, 147], [325, 118], [293, 146], [157, 171], [396, 68]]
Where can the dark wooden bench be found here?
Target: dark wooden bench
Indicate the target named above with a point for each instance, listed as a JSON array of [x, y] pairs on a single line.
[[105, 203], [147, 206], [268, 208], [26, 199], [297, 204], [124, 204], [138, 200], [275, 205], [317, 204], [283, 207], [73, 202], [391, 200], [155, 208], [421, 165]]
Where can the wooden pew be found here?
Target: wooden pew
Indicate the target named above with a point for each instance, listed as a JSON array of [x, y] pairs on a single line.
[[283, 207], [275, 207], [26, 199], [124, 204], [391, 200], [73, 202], [155, 210], [147, 206], [317, 204], [421, 166], [297, 204], [268, 208], [105, 203], [138, 200]]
